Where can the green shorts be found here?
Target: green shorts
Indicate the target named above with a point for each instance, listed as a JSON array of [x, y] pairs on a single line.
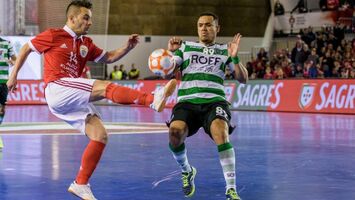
[[201, 115]]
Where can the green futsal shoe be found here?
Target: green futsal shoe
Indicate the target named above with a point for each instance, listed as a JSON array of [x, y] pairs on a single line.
[[188, 184], [232, 194]]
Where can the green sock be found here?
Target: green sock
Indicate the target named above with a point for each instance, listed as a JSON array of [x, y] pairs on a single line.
[[227, 160], [180, 155]]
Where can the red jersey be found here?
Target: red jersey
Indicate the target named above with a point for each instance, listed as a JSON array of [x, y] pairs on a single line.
[[65, 54]]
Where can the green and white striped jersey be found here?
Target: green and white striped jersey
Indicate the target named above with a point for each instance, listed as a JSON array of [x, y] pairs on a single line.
[[203, 69], [6, 52]]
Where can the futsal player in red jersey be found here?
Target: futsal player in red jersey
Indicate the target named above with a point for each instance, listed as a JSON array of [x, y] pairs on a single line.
[[69, 97]]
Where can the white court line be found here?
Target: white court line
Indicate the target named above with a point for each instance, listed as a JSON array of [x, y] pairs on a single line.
[[126, 128]]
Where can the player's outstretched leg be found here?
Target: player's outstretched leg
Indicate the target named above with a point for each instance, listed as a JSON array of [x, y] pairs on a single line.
[[162, 94], [124, 95]]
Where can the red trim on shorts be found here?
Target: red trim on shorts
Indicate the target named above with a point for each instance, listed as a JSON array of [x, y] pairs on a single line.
[[75, 82], [77, 85]]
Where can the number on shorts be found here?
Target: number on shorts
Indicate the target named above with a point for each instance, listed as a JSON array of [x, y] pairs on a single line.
[[221, 112]]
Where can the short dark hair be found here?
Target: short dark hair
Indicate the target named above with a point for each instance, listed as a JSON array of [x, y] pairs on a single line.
[[79, 3], [215, 17]]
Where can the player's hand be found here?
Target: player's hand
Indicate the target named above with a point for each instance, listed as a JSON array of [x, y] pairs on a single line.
[[12, 84], [174, 43], [133, 40], [233, 46]]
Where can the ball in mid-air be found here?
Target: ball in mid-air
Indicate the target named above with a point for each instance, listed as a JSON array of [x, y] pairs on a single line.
[[161, 62]]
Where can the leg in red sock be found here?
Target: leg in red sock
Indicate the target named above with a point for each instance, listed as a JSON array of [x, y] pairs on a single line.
[[91, 157], [125, 95]]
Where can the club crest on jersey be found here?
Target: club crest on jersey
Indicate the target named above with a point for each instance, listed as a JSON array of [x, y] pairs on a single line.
[[83, 51]]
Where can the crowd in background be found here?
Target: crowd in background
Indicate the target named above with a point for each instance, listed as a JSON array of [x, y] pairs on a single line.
[[322, 54], [119, 73]]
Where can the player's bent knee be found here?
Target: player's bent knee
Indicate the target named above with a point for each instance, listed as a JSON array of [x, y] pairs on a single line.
[[100, 137], [176, 132], [176, 136]]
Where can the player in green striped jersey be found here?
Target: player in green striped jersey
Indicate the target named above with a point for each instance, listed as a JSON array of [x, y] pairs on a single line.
[[7, 57], [202, 101]]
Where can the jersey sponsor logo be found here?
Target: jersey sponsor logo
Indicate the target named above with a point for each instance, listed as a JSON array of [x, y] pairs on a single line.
[[83, 51], [63, 46], [200, 59], [71, 66], [307, 95]]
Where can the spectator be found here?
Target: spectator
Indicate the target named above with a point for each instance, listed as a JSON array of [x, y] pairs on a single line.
[[298, 55], [332, 4], [344, 73], [323, 5], [133, 73], [286, 68], [124, 72], [262, 55], [320, 73], [268, 74], [301, 6], [298, 71], [313, 57], [279, 8], [312, 70], [253, 74], [352, 73], [339, 32], [116, 74], [279, 73], [327, 64]]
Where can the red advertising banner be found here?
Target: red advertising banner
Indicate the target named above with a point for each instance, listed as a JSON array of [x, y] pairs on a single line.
[[320, 96], [28, 92], [325, 96]]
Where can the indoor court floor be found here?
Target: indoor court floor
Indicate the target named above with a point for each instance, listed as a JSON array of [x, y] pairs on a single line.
[[280, 156]]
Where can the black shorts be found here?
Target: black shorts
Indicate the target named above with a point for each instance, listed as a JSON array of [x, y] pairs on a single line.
[[3, 93], [201, 115]]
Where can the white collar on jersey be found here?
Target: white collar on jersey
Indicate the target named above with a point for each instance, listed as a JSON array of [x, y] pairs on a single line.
[[71, 32]]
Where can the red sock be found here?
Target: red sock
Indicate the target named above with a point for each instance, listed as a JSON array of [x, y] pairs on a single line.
[[125, 95], [91, 157]]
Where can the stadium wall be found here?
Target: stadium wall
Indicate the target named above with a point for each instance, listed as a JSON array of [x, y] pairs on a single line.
[[308, 95]]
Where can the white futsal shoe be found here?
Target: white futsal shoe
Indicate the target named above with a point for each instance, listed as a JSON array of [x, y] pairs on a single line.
[[82, 191], [161, 95]]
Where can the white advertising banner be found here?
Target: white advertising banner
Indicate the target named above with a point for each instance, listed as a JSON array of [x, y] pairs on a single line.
[[32, 68], [304, 20]]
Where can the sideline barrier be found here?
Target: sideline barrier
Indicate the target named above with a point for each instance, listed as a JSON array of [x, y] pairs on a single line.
[[307, 95]]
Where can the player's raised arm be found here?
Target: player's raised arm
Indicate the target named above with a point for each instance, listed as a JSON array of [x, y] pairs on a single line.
[[115, 55], [240, 71], [24, 52]]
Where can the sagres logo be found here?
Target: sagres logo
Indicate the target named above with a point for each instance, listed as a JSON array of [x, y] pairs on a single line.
[[307, 95]]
